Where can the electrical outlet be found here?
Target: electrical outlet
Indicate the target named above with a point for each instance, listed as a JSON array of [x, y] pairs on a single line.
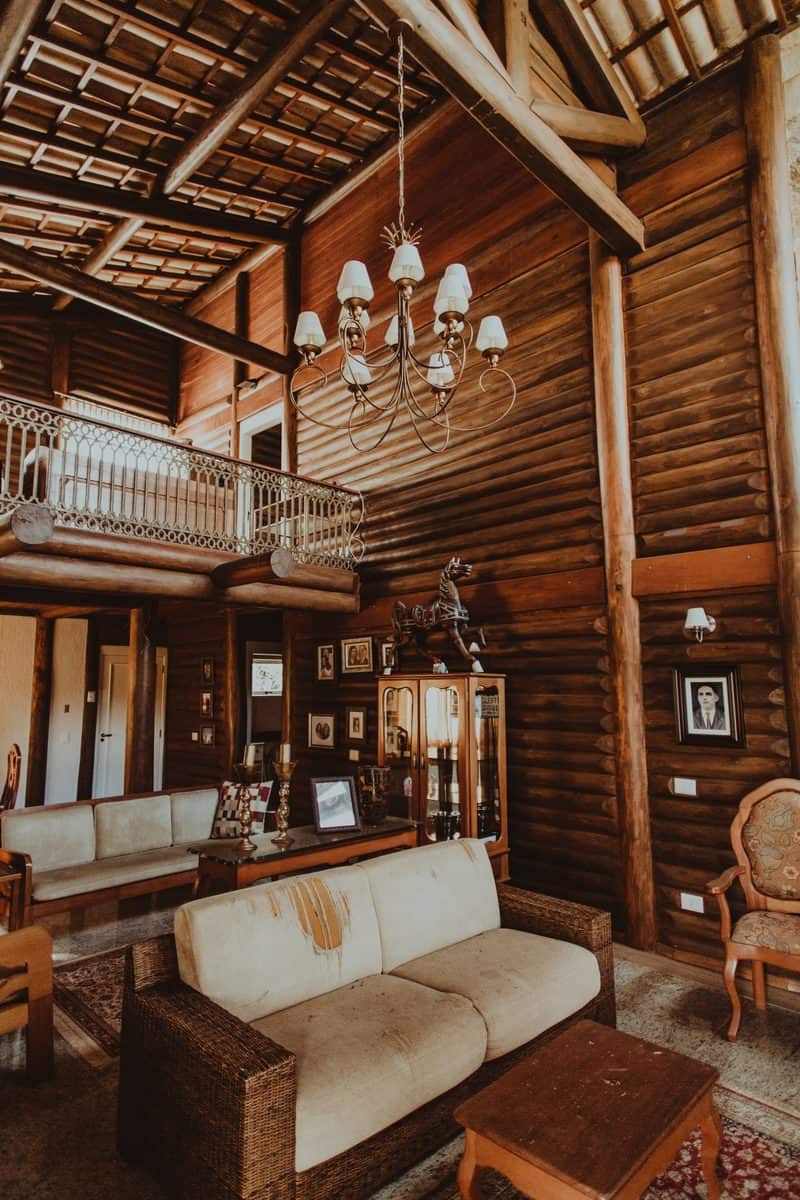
[[683, 787], [692, 903]]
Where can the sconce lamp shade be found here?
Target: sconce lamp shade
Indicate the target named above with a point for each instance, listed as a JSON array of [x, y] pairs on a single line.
[[406, 264], [440, 372], [355, 372], [393, 336], [699, 622], [308, 331], [491, 336], [354, 283], [451, 299], [457, 273]]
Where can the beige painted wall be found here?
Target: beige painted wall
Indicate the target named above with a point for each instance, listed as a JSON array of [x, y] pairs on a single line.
[[66, 710], [17, 636]]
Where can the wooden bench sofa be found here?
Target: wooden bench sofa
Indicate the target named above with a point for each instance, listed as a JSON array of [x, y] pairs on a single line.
[[74, 855]]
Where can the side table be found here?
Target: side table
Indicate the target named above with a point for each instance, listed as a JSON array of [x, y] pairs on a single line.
[[12, 885]]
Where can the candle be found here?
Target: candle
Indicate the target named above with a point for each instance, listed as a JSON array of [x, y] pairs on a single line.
[[286, 752]]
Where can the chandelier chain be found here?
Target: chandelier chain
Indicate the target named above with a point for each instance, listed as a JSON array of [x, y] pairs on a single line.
[[401, 136]]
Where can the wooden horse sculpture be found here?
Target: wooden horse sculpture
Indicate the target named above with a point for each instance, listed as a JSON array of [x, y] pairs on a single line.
[[445, 613]]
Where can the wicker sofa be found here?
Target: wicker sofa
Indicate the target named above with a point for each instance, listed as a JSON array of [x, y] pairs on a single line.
[[78, 854], [310, 1038]]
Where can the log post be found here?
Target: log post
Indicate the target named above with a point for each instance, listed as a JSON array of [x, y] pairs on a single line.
[[778, 339], [140, 730], [40, 712], [290, 624], [232, 691], [291, 309], [616, 489]]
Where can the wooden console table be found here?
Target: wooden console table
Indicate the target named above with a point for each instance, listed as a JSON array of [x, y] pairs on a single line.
[[225, 866]]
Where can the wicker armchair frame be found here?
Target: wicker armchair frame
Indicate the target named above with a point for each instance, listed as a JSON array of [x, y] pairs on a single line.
[[207, 1103]]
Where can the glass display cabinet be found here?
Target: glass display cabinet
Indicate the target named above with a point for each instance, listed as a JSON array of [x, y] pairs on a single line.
[[443, 738]]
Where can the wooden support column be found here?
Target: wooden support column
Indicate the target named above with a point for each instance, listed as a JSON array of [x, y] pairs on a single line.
[[241, 328], [40, 712], [290, 625], [232, 696], [291, 307], [778, 339], [141, 703], [611, 406]]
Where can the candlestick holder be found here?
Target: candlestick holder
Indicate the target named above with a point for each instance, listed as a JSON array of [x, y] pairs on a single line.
[[284, 771], [245, 818]]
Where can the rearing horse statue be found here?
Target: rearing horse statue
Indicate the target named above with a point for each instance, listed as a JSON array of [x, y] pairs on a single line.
[[446, 612]]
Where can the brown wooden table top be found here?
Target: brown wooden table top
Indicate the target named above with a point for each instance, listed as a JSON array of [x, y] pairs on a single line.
[[590, 1106], [304, 840]]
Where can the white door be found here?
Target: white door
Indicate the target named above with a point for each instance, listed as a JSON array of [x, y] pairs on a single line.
[[112, 713]]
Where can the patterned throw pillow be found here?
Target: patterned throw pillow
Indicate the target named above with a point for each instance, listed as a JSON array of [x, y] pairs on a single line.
[[227, 820]]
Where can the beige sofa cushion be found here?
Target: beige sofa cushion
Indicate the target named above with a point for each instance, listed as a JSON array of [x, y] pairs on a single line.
[[520, 983], [111, 872], [193, 814], [129, 826], [270, 946], [54, 837], [432, 896], [370, 1053]]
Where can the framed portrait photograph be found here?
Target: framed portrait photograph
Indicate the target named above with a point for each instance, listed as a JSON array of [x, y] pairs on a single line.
[[206, 735], [326, 662], [356, 724], [335, 805], [357, 657], [387, 652], [322, 731], [708, 705], [207, 704], [207, 670]]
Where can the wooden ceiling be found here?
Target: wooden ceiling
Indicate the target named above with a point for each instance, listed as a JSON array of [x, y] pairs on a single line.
[[115, 95]]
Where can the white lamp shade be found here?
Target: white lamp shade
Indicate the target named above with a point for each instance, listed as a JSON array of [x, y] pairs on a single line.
[[450, 298], [354, 283], [698, 618], [406, 264], [458, 272], [346, 317], [393, 336], [491, 335], [355, 371], [308, 331], [440, 372]]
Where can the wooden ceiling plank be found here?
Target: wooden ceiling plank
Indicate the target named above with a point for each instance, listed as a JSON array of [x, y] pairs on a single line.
[[679, 33], [17, 22], [494, 104], [145, 312]]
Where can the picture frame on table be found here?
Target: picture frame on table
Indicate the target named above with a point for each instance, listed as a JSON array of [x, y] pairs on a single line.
[[357, 656], [322, 731], [207, 703], [355, 723], [207, 670], [708, 705], [326, 662], [206, 735], [335, 804]]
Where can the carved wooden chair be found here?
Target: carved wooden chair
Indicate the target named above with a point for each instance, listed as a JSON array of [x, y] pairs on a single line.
[[765, 836], [8, 798], [26, 995]]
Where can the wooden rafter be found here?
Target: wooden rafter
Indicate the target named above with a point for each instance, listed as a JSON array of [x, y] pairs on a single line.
[[494, 104], [18, 19]]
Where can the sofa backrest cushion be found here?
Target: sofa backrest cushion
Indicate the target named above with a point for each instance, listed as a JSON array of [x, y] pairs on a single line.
[[431, 897], [193, 814], [54, 837], [129, 826], [268, 947]]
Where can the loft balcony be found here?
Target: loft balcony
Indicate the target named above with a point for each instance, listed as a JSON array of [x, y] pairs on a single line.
[[85, 505]]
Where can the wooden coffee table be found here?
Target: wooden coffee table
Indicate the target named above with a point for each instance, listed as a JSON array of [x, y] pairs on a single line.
[[594, 1115]]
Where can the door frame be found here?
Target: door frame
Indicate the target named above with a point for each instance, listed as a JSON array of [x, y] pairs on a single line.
[[107, 653]]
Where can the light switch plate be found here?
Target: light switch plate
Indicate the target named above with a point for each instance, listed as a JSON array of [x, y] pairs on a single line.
[[91, 697], [692, 903], [195, 736], [683, 787]]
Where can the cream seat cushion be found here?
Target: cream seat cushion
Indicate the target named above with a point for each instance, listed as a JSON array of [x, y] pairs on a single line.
[[432, 896], [370, 1053], [193, 814], [128, 826], [54, 837], [111, 872], [274, 945], [520, 983]]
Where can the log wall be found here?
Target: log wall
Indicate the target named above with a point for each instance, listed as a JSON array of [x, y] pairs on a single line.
[[193, 633]]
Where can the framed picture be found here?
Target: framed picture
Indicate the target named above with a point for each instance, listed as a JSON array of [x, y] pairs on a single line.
[[335, 805], [207, 670], [326, 662], [207, 704], [388, 655], [206, 735], [357, 656], [708, 705], [321, 731], [356, 724]]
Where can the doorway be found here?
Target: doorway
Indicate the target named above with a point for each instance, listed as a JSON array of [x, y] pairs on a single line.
[[108, 778], [261, 439]]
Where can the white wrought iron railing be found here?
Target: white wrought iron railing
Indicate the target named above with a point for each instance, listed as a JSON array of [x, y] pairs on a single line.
[[92, 475]]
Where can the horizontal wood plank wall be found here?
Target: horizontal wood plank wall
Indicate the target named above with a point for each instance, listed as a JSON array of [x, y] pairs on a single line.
[[130, 365], [206, 376], [266, 324], [193, 633], [25, 355]]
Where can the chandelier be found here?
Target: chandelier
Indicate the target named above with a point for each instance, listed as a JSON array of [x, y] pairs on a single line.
[[424, 387]]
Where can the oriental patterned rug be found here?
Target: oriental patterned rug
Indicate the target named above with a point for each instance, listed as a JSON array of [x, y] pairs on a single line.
[[89, 991]]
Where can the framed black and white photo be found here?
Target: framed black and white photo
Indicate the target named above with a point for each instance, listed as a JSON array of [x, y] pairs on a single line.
[[326, 662], [335, 805], [206, 735], [207, 670], [321, 731], [356, 724], [207, 704], [708, 705], [388, 655], [357, 656]]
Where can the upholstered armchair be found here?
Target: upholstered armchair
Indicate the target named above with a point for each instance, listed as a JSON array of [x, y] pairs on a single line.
[[765, 836]]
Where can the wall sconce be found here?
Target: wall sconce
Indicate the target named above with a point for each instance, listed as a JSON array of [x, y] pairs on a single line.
[[698, 622]]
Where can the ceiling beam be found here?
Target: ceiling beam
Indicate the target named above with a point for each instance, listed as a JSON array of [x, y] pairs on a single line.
[[17, 21], [116, 202], [300, 35], [492, 102], [66, 279]]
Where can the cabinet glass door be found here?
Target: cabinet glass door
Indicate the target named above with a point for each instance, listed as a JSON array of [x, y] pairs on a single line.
[[399, 748], [443, 756], [487, 784]]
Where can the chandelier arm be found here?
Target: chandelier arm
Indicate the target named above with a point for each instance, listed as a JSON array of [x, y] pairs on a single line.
[[495, 420], [352, 427], [295, 394], [423, 438]]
